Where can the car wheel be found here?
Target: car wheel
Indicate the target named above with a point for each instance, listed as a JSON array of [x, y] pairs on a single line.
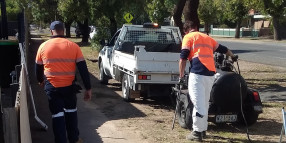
[[126, 93], [103, 78], [184, 112], [250, 116]]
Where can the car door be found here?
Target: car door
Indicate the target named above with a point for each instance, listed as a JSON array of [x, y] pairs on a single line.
[[109, 52]]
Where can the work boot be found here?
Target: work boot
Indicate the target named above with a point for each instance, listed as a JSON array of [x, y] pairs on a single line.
[[204, 134], [195, 136], [79, 140]]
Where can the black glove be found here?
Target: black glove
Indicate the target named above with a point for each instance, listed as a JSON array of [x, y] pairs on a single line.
[[234, 58], [181, 81]]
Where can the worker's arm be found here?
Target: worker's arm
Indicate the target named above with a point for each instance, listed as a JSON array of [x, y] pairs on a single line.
[[83, 71], [182, 66], [183, 60], [223, 49]]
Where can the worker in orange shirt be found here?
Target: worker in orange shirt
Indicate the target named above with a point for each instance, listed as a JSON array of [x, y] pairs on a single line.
[[198, 48], [56, 63]]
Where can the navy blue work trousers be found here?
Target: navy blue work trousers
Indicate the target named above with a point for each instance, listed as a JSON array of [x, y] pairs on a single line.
[[62, 104]]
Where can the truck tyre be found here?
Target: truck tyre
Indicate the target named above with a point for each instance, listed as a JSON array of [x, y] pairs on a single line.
[[126, 89], [184, 112], [103, 79], [250, 116]]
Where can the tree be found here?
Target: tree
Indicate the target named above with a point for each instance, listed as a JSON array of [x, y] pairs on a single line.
[[110, 9], [191, 12], [68, 12], [114, 11], [178, 11], [236, 11], [207, 13], [158, 11], [276, 8], [12, 9], [40, 13]]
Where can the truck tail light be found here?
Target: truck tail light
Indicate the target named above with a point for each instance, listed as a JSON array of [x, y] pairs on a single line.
[[256, 96], [144, 77]]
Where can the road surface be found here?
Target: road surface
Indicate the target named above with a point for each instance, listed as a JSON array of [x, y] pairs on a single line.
[[265, 52]]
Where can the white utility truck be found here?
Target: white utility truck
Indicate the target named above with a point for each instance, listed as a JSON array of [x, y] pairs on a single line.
[[144, 58]]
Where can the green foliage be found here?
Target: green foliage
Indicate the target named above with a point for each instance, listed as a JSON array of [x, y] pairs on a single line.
[[275, 8], [257, 5], [39, 12], [43, 11], [74, 10], [236, 10], [12, 10], [158, 10], [207, 11], [102, 33], [221, 13], [67, 9]]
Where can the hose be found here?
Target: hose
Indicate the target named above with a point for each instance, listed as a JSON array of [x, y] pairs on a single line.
[[241, 108]]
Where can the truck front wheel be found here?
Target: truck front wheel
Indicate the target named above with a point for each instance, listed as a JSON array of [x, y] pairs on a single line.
[[126, 89], [103, 79]]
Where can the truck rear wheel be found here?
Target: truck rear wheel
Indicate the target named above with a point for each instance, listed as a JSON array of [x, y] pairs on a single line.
[[103, 79], [126, 91], [184, 112]]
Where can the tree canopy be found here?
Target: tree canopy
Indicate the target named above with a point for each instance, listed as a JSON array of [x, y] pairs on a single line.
[[110, 13], [12, 9]]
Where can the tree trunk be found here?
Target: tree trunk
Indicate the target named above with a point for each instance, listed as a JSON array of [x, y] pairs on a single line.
[[276, 27], [237, 29], [207, 28], [191, 12], [85, 31], [178, 10], [113, 25], [68, 29]]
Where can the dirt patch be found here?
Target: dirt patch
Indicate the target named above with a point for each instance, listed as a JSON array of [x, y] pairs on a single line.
[[150, 120], [270, 81]]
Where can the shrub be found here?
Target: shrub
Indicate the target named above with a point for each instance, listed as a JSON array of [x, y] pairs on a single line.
[[101, 34]]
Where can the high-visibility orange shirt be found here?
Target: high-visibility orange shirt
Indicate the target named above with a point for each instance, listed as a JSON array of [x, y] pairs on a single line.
[[59, 57], [201, 46]]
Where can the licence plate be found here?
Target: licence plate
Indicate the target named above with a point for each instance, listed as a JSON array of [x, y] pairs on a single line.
[[225, 118]]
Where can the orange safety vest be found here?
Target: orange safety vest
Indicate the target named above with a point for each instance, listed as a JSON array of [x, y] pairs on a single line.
[[59, 57], [201, 46]]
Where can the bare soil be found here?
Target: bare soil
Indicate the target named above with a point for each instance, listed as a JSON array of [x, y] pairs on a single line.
[[150, 120]]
